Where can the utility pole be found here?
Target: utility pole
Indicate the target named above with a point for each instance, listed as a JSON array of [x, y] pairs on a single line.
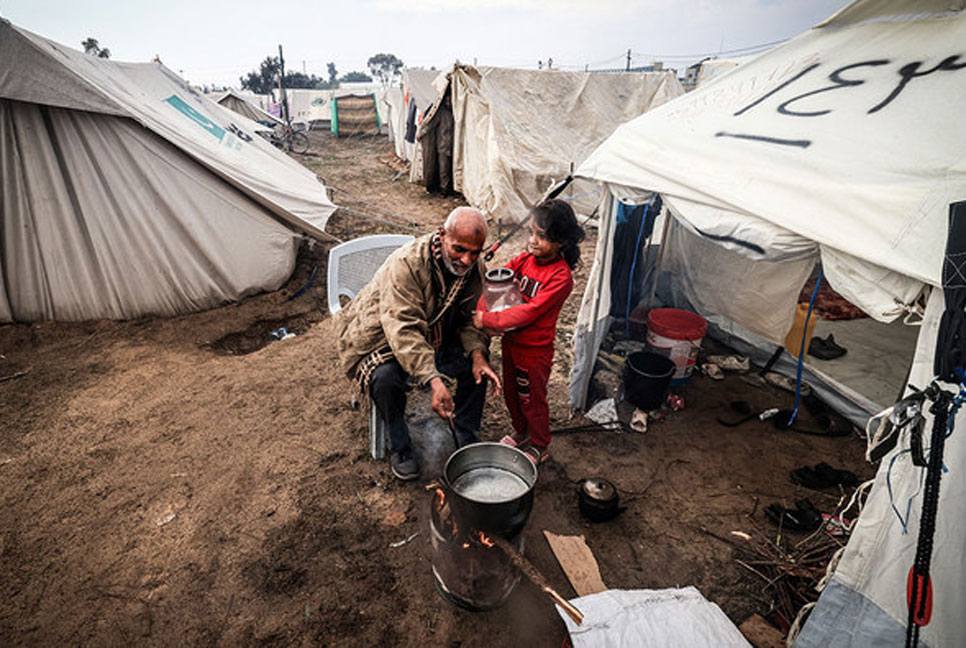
[[281, 85], [628, 69]]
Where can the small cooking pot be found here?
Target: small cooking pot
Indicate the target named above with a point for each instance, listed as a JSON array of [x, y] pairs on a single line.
[[598, 500]]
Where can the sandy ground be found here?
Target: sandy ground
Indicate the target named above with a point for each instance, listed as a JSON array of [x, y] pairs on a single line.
[[182, 481]]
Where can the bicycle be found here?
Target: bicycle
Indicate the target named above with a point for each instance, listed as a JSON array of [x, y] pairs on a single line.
[[287, 138]]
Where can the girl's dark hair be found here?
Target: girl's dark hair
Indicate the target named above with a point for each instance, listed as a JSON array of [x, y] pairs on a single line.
[[558, 220]]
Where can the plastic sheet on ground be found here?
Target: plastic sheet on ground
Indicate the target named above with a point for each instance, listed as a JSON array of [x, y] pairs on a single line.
[[641, 618]]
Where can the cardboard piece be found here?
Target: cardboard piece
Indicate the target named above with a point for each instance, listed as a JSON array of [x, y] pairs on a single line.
[[578, 563], [760, 633]]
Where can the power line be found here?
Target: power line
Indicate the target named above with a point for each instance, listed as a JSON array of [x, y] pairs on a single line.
[[738, 50]]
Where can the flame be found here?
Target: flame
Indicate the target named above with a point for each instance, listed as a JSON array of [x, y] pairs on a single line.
[[486, 541], [442, 499], [466, 545]]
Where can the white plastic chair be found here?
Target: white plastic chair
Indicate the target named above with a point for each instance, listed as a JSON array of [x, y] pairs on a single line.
[[351, 266], [353, 263]]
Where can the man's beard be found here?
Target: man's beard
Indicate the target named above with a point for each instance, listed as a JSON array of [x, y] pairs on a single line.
[[454, 267]]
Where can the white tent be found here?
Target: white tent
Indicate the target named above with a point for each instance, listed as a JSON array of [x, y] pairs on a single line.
[[314, 107], [844, 145], [415, 93], [517, 130], [239, 103], [127, 193], [309, 106]]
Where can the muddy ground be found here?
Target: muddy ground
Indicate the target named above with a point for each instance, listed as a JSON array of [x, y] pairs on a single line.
[[182, 481]]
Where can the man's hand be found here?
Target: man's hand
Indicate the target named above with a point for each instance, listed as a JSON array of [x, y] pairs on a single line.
[[482, 368], [442, 400]]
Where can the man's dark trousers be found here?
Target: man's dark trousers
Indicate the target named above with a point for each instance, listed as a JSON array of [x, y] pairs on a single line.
[[389, 383]]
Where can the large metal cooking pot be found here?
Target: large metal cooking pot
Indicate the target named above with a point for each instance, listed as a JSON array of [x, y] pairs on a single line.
[[491, 487]]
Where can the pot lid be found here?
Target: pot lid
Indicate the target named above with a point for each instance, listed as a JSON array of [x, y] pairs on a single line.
[[599, 489]]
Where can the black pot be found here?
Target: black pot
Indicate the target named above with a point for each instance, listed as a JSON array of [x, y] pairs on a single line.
[[598, 500], [503, 515]]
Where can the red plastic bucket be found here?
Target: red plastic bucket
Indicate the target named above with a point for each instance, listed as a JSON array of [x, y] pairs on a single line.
[[676, 334]]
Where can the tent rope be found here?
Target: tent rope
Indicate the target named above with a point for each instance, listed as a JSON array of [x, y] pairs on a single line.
[[384, 221], [801, 350], [630, 278], [919, 594]]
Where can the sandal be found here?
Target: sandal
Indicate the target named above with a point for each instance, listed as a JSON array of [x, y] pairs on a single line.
[[509, 440], [536, 455]]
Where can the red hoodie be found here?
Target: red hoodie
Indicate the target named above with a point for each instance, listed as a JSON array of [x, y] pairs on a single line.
[[545, 288]]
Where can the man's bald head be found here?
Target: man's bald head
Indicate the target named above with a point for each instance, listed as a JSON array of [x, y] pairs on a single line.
[[466, 221], [464, 234]]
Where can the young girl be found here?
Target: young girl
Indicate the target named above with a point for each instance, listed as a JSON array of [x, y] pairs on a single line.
[[545, 279]]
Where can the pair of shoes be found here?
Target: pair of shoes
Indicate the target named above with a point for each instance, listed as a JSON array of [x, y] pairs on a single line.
[[804, 517], [825, 348], [823, 476], [404, 465]]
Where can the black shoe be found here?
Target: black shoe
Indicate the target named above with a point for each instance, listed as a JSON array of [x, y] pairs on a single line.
[[404, 465], [825, 348]]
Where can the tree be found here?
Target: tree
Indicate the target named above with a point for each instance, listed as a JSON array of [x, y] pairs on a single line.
[[333, 75], [265, 78], [262, 80], [92, 47], [385, 67], [356, 77]]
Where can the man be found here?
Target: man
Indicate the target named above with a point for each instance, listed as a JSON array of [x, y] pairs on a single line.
[[436, 137], [414, 320]]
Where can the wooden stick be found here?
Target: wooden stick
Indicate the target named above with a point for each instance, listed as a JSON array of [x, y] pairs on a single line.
[[536, 578]]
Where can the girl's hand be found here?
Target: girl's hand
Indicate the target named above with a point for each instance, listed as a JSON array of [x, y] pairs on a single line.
[[478, 323]]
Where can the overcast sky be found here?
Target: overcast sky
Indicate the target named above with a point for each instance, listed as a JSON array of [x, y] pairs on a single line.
[[217, 42]]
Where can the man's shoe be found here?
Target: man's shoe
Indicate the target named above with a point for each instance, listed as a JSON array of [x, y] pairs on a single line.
[[404, 465]]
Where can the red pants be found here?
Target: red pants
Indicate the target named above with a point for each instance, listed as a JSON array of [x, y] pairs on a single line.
[[525, 374]]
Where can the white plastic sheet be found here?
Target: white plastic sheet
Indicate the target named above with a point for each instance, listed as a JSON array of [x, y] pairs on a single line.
[[651, 618]]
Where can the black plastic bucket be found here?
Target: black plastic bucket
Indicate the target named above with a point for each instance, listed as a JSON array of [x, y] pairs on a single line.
[[646, 379]]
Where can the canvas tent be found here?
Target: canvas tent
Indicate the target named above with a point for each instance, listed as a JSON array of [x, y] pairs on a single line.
[[405, 105], [516, 130], [846, 146], [310, 107], [237, 102], [314, 107], [127, 193]]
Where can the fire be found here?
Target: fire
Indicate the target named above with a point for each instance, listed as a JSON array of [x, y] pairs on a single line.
[[486, 541], [442, 499]]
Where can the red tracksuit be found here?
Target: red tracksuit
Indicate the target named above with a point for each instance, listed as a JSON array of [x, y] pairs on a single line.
[[528, 348]]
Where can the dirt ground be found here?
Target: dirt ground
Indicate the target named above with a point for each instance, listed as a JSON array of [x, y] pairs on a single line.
[[182, 481]]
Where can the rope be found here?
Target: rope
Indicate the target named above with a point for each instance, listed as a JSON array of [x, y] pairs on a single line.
[[797, 624], [410, 228], [308, 284], [364, 203], [801, 350], [630, 278], [944, 410]]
